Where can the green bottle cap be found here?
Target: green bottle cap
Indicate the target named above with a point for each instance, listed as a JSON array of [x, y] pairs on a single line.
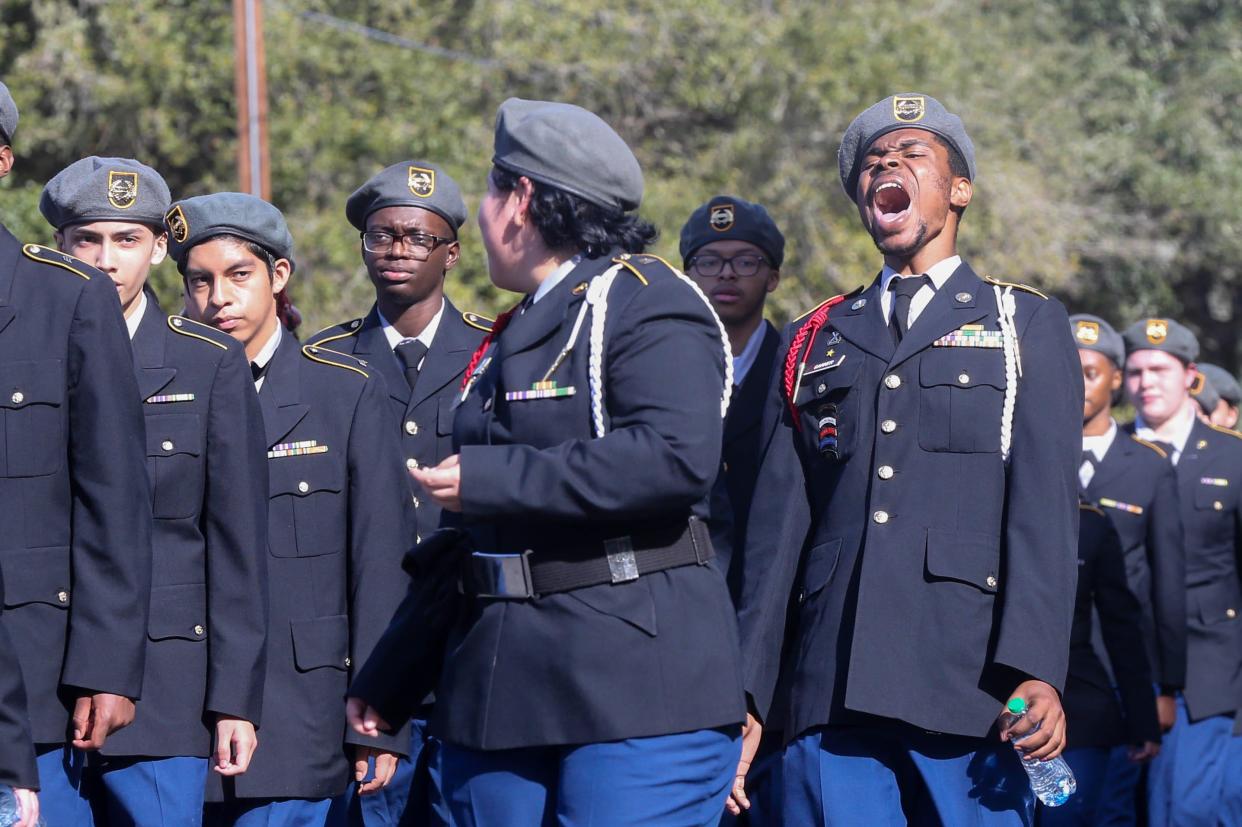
[[1017, 706]]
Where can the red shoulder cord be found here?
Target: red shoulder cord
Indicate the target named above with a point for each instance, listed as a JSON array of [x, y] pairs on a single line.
[[794, 359], [502, 321]]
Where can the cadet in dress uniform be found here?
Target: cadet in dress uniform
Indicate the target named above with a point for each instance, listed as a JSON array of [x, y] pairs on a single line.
[[927, 429], [339, 512], [593, 678], [1133, 482], [1098, 723], [1193, 781], [75, 526], [1225, 412], [206, 636], [408, 216]]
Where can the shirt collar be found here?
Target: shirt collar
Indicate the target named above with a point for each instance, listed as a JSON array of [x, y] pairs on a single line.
[[427, 336], [1100, 443], [744, 361], [1180, 434], [939, 273], [265, 355], [555, 277], [134, 319]]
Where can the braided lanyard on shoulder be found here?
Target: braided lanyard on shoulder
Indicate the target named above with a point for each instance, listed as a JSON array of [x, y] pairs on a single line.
[[1006, 310], [472, 367], [795, 359]]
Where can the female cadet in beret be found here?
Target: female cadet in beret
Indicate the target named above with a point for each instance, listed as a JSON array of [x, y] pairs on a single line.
[[593, 676]]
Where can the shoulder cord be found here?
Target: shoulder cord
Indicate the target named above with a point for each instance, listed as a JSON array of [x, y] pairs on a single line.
[[794, 363], [1006, 309], [468, 377]]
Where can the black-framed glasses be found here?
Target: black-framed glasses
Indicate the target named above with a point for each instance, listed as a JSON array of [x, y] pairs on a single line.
[[744, 265], [420, 245]]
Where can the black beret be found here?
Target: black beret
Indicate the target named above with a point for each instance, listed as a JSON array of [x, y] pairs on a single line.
[[908, 110], [568, 148], [8, 112], [1223, 381], [197, 219], [409, 184], [1164, 335], [1093, 333], [726, 218], [105, 189]]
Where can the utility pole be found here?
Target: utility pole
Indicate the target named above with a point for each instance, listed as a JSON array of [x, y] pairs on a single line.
[[250, 85]]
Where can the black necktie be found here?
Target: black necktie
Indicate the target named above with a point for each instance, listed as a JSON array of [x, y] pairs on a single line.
[[903, 290], [257, 371], [411, 353]]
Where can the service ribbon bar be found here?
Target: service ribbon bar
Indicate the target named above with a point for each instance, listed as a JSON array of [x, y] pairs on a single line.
[[296, 449], [170, 397], [1132, 509], [1217, 481], [540, 390], [971, 336]]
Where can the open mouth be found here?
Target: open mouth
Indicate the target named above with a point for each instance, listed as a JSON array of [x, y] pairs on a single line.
[[890, 204]]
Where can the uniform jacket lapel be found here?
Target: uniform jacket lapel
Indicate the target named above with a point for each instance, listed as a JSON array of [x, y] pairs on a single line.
[[1114, 464], [860, 319], [447, 357], [747, 406], [280, 395], [148, 346], [545, 317], [946, 313]]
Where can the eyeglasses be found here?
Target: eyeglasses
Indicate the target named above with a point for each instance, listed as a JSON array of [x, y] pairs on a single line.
[[744, 265], [420, 245]]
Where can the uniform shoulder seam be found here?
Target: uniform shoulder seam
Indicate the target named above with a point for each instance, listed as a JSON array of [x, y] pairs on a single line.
[[478, 321], [351, 328], [1163, 453], [1224, 430], [327, 356], [178, 324], [46, 255], [1026, 288]]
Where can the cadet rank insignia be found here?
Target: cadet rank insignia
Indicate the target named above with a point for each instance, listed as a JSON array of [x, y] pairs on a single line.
[[721, 217], [1216, 481], [971, 335], [177, 225], [1157, 330], [1087, 333], [422, 181], [540, 390], [909, 109], [166, 398], [296, 449], [1120, 506], [122, 188]]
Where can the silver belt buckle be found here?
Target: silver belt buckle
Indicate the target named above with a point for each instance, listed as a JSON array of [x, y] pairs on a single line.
[[502, 576], [622, 565]]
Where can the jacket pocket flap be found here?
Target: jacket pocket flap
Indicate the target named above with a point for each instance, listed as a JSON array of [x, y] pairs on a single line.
[[303, 475], [38, 575], [178, 612], [320, 642], [969, 557], [1211, 497], [963, 368], [1216, 602], [832, 383], [821, 563], [32, 383], [169, 434]]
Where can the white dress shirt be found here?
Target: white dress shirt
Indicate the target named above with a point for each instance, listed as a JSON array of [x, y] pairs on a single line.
[[938, 273]]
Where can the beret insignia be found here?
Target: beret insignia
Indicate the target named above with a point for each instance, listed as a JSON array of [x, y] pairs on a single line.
[[122, 188], [177, 225], [721, 217], [1087, 333], [1198, 385], [1157, 330], [909, 109], [422, 181]]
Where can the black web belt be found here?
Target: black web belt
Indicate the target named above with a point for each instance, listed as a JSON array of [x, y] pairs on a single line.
[[619, 560]]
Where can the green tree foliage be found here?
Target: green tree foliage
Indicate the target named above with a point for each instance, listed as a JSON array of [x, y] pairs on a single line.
[[1106, 130]]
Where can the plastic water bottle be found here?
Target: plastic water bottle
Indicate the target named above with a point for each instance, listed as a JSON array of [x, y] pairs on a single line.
[[9, 813], [1052, 781]]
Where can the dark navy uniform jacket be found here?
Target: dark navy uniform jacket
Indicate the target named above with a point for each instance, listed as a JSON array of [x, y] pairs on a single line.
[[739, 459], [928, 577], [1136, 486], [17, 756], [339, 522], [423, 419], [75, 516], [1092, 713], [1209, 475], [207, 632], [653, 656]]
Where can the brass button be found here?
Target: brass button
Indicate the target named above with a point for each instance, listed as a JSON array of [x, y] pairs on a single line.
[[885, 472], [199, 630], [963, 378], [1231, 613], [18, 397], [416, 502], [892, 381], [411, 463], [62, 596], [176, 322], [1218, 505], [888, 426], [355, 323], [167, 445], [880, 517], [991, 581], [411, 427], [821, 387], [347, 662], [304, 486]]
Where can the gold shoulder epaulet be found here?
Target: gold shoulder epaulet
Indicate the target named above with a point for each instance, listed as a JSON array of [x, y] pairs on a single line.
[[198, 330], [46, 255], [1090, 507], [1223, 430], [336, 359], [1163, 453], [825, 301], [1023, 287], [342, 331], [478, 322], [634, 261]]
